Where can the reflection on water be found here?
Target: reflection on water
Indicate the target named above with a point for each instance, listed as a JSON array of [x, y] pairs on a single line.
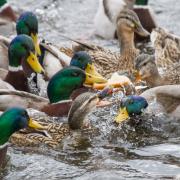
[[145, 147]]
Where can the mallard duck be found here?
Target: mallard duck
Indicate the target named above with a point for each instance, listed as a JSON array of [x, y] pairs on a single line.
[[167, 99], [107, 13], [56, 132], [11, 121], [146, 66], [107, 61], [22, 62], [60, 88], [49, 55], [167, 47], [130, 106]]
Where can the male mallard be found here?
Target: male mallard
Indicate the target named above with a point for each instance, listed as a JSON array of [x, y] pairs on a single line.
[[22, 62], [12, 121], [130, 106], [167, 99], [146, 66], [51, 58], [56, 132], [60, 88], [167, 47], [107, 61]]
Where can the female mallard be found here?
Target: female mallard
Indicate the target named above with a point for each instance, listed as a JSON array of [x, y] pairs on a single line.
[[108, 62], [12, 121], [60, 88], [167, 47], [146, 66], [22, 62], [56, 132]]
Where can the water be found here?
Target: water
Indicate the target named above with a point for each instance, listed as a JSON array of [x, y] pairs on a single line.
[[146, 147]]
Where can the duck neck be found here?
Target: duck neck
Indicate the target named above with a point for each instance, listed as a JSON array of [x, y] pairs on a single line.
[[126, 40]]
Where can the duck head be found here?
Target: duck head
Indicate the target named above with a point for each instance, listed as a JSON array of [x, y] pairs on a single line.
[[131, 105], [13, 120], [83, 105], [82, 60], [147, 70], [65, 81], [28, 24], [22, 50], [128, 23]]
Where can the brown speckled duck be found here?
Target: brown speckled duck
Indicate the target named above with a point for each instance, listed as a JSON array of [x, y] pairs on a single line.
[[148, 71], [107, 61]]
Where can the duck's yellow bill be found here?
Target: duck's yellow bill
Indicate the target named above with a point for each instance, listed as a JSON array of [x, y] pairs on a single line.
[[92, 76], [122, 115], [35, 125], [36, 43], [34, 63]]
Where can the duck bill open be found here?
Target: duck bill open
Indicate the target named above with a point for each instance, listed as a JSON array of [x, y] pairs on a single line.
[[36, 43], [122, 115], [34, 63], [92, 76], [34, 124]]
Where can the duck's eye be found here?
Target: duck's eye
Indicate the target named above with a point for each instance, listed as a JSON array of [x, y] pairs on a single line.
[[75, 74], [145, 64], [131, 101], [24, 113]]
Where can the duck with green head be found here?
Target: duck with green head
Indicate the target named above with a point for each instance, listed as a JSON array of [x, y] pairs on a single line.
[[51, 58], [130, 106], [22, 62], [11, 121], [68, 83], [27, 24], [49, 55]]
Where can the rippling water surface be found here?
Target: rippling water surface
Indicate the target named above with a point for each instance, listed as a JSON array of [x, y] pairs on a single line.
[[146, 147]]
